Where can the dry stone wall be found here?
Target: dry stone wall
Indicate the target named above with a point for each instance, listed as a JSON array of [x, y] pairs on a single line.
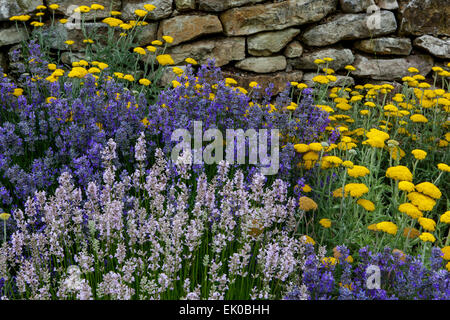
[[275, 41]]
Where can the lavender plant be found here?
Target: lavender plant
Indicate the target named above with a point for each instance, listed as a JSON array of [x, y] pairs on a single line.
[[153, 235]]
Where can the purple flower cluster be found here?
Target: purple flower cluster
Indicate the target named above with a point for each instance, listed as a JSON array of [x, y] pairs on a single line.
[[402, 276], [40, 139]]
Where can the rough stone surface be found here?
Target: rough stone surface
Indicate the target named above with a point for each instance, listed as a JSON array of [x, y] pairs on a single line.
[[274, 16], [385, 45], [267, 43], [188, 27], [163, 9], [437, 47], [9, 8], [341, 80], [350, 27], [147, 34], [11, 35], [293, 50], [223, 50], [342, 57], [221, 5], [356, 6], [69, 57], [390, 69], [279, 79], [263, 64], [387, 4], [56, 36], [185, 5], [66, 7], [419, 17]]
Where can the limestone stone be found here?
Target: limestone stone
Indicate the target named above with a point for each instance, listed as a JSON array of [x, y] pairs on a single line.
[[274, 16], [356, 6], [188, 27], [66, 7], [293, 50], [419, 17], [185, 5], [342, 57], [223, 50], [351, 27], [267, 43], [12, 35], [279, 79], [147, 34], [263, 64], [437, 47], [9, 8], [385, 45], [3, 61], [163, 9], [221, 5], [341, 80], [390, 69], [56, 36], [387, 4]]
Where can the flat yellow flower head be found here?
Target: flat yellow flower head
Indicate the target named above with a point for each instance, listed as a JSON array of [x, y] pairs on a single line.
[[5, 216]]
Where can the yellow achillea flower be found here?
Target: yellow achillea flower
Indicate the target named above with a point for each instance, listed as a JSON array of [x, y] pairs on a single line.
[[112, 22], [445, 218], [358, 171], [307, 204], [315, 146], [427, 237], [331, 161], [50, 99], [140, 51], [329, 261], [144, 82], [399, 173], [82, 9], [157, 42], [167, 39], [306, 188], [446, 251], [308, 239], [18, 92], [427, 224], [418, 118], [411, 210], [406, 186], [376, 138], [4, 216], [372, 227], [429, 189], [96, 6], [149, 7], [350, 68], [422, 202], [326, 223], [54, 6], [310, 159], [140, 13], [125, 26], [165, 59], [77, 72], [321, 79], [388, 227], [399, 253], [128, 77], [419, 154], [413, 70], [347, 164], [366, 204], [448, 266], [355, 189]]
